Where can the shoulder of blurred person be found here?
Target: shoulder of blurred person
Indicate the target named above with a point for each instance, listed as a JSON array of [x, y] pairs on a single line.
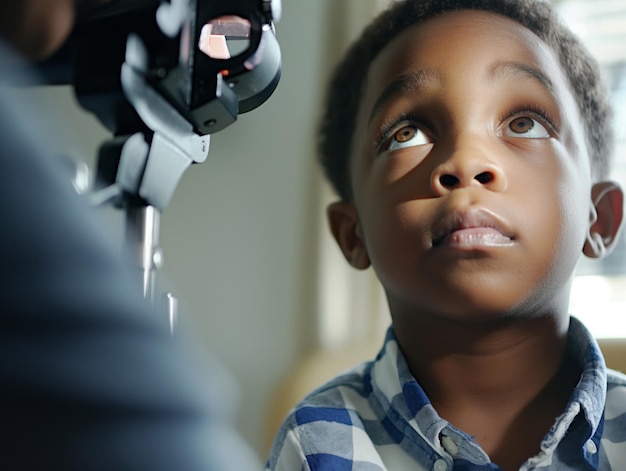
[[90, 378]]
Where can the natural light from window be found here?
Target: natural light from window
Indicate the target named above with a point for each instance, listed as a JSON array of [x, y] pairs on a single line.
[[599, 291]]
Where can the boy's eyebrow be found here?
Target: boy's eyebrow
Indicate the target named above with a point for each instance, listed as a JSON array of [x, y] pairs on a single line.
[[504, 69], [412, 81], [405, 84]]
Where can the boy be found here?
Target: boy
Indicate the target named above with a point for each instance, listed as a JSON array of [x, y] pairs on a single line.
[[468, 141]]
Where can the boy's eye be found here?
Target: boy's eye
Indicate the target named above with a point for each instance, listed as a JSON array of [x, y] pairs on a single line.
[[408, 136], [526, 128]]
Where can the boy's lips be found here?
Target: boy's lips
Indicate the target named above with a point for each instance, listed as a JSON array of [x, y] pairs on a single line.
[[471, 229]]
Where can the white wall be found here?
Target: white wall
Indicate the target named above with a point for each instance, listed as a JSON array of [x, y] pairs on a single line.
[[236, 233]]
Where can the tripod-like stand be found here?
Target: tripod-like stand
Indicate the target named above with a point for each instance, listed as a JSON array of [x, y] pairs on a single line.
[[140, 171]]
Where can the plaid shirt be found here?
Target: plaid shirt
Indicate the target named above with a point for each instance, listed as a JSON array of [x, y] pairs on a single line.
[[377, 417]]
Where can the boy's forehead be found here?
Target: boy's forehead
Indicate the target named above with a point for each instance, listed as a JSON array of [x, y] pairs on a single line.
[[464, 37], [462, 42]]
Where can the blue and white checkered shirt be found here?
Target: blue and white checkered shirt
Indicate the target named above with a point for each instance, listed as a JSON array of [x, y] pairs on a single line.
[[377, 417]]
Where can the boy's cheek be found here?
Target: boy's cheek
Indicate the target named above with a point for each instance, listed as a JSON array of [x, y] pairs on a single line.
[[406, 171]]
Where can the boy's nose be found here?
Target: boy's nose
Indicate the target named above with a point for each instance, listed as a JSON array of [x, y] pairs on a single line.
[[468, 167]]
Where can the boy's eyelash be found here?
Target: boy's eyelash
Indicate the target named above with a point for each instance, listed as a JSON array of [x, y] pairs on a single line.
[[389, 126], [539, 112]]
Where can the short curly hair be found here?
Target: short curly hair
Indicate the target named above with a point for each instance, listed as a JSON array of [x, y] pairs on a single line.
[[347, 83]]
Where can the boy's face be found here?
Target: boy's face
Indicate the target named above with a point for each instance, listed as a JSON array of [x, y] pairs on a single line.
[[469, 171]]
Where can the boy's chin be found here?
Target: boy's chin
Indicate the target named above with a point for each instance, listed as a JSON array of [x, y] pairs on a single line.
[[480, 316], [488, 308]]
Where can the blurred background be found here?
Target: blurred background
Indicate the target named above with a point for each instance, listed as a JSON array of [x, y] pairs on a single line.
[[245, 241]]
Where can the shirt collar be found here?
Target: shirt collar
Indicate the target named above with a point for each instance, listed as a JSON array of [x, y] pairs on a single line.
[[591, 389], [391, 380]]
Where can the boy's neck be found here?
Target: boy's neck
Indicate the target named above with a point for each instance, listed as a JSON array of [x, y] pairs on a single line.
[[503, 382]]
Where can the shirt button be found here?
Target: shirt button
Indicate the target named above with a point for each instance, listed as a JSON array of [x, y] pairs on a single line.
[[591, 447], [440, 465], [449, 445]]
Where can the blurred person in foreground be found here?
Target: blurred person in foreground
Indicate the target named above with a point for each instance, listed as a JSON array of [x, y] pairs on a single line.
[[90, 378]]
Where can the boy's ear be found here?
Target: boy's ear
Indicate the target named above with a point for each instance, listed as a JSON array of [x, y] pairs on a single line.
[[346, 229], [605, 219]]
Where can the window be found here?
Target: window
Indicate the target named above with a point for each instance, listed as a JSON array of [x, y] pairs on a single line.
[[599, 288]]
